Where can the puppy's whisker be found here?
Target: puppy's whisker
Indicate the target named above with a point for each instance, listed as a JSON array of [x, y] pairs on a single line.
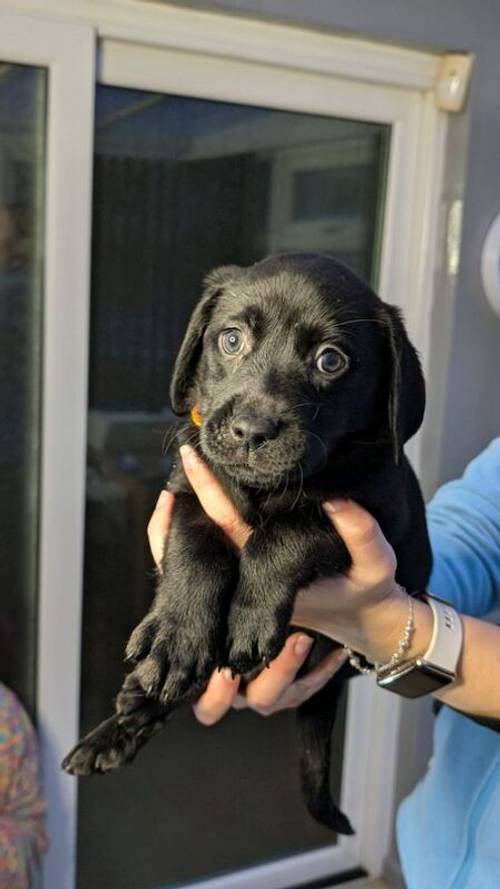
[[360, 321], [177, 436], [322, 443], [314, 404], [167, 440], [304, 404], [270, 494], [301, 487], [170, 437], [375, 441], [285, 485]]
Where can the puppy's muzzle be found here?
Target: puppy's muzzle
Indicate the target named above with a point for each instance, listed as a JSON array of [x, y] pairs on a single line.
[[252, 431]]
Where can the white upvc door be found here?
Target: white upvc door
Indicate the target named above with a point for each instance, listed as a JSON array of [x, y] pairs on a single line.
[[373, 716], [184, 53]]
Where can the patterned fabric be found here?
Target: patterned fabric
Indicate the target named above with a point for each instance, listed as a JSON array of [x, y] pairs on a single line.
[[23, 839]]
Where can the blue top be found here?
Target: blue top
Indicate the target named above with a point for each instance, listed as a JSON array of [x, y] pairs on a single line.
[[449, 828]]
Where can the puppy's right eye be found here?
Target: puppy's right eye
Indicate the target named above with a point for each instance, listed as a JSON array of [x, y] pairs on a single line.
[[231, 341]]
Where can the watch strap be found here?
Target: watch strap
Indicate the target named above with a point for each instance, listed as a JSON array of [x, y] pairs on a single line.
[[437, 667], [447, 635]]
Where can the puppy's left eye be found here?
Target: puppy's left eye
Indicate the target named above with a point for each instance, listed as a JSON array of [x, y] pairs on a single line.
[[231, 341], [330, 361]]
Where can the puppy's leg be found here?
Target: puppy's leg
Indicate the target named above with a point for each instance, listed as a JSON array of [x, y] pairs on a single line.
[[316, 718], [181, 640], [117, 740], [276, 562], [176, 646]]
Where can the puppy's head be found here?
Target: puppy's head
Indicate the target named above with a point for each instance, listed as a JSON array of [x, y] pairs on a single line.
[[291, 359]]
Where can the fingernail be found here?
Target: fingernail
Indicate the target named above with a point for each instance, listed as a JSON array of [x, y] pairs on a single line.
[[227, 673], [341, 655], [302, 645], [189, 456], [162, 498], [333, 506], [335, 661]]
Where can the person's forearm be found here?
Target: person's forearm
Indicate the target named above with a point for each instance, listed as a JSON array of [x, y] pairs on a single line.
[[477, 690], [376, 633], [376, 630]]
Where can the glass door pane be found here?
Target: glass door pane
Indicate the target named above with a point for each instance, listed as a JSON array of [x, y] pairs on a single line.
[[182, 185], [22, 176]]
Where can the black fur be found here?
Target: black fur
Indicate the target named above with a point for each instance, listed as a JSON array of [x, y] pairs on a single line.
[[282, 435]]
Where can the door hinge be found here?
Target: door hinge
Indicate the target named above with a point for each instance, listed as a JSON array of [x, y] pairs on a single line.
[[452, 82]]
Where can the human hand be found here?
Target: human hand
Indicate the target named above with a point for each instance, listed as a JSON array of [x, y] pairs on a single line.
[[341, 606]]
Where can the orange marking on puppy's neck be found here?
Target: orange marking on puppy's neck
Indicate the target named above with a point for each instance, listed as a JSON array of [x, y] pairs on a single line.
[[195, 415]]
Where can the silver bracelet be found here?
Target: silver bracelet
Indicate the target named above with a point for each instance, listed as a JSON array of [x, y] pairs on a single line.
[[400, 652]]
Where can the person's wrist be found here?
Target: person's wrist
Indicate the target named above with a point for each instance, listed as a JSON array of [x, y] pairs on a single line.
[[376, 628]]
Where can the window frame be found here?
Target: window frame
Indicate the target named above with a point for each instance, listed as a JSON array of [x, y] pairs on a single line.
[[192, 53], [67, 51]]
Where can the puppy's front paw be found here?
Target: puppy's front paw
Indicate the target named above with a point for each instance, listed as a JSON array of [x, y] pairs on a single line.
[[255, 636], [171, 658], [106, 748]]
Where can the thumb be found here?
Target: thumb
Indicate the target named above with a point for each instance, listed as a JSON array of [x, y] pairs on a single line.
[[372, 556], [159, 525]]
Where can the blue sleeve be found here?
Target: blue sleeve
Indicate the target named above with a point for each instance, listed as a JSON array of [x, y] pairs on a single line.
[[464, 527]]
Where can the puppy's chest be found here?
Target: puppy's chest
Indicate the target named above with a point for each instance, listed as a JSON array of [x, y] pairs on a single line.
[[301, 505]]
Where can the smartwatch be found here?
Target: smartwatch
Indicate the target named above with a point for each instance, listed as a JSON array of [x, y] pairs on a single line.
[[437, 667]]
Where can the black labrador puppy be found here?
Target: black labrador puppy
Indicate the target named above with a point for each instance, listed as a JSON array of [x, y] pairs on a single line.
[[299, 384]]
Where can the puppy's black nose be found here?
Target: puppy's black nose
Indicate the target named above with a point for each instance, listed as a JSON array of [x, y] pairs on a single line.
[[247, 429]]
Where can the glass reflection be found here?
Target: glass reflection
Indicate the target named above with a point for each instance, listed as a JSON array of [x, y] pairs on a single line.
[[183, 185], [22, 141]]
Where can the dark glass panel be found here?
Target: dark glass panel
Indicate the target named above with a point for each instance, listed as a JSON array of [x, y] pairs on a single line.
[[183, 185]]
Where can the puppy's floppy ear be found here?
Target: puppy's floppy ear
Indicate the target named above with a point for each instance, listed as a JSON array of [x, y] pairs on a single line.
[[406, 401], [190, 351]]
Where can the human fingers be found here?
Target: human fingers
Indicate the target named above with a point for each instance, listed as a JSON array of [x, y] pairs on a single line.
[[266, 689], [217, 698], [373, 559], [159, 524], [307, 686], [301, 689], [213, 498]]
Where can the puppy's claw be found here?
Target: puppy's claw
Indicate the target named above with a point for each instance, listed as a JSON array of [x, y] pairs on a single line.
[[247, 655], [141, 639], [149, 676]]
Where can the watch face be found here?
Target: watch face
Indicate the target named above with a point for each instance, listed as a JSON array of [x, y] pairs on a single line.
[[415, 679]]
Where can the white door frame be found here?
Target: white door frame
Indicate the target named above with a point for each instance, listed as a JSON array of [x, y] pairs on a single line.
[[410, 218], [190, 53], [67, 51]]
